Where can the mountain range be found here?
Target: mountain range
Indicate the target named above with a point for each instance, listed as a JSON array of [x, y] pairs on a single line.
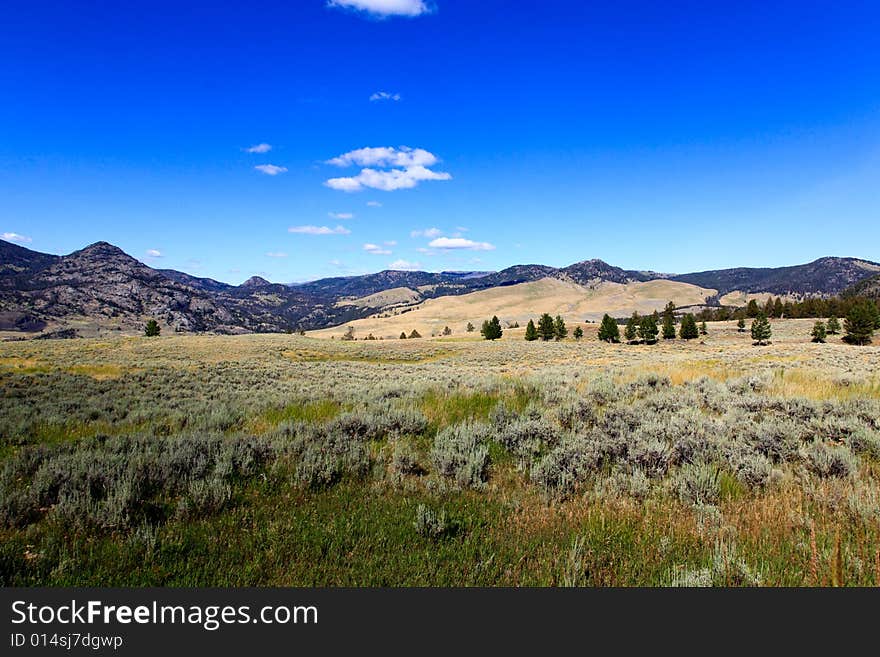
[[103, 286]]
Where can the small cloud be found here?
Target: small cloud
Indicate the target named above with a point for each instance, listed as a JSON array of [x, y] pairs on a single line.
[[390, 243], [154, 253], [402, 168], [452, 243], [430, 233], [374, 204], [385, 156], [384, 8], [270, 169], [461, 229], [259, 148], [375, 249], [404, 265], [387, 181], [15, 237], [318, 230], [384, 95], [341, 216], [276, 254], [426, 251]]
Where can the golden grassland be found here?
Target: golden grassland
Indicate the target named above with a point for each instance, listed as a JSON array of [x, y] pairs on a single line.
[[264, 526]]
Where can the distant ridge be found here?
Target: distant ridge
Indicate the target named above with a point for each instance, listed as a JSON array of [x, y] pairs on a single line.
[[103, 284]]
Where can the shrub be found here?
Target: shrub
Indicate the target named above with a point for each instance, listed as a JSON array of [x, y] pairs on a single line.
[[698, 483], [829, 461], [460, 453], [405, 460], [152, 329], [430, 523]]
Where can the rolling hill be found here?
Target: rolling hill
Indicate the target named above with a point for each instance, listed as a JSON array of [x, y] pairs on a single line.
[[101, 288]]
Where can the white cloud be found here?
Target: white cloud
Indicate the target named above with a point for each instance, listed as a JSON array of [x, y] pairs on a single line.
[[270, 169], [154, 253], [387, 181], [276, 254], [341, 216], [430, 233], [384, 8], [404, 265], [390, 243], [15, 237], [375, 249], [374, 204], [318, 230], [460, 243], [259, 148], [400, 168], [385, 156], [384, 95]]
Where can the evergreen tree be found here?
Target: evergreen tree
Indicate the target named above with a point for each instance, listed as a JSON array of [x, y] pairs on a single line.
[[648, 329], [688, 329], [668, 326], [858, 325], [741, 325], [403, 335], [415, 334], [632, 328], [546, 327], [559, 330], [818, 332], [152, 329], [703, 329], [608, 330], [768, 307], [578, 333], [761, 330], [470, 328], [752, 309], [778, 308], [491, 329], [833, 326], [531, 331]]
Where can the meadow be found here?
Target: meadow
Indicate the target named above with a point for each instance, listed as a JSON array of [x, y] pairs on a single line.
[[285, 460]]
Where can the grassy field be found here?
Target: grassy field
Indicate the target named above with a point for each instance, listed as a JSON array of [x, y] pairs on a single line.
[[289, 460]]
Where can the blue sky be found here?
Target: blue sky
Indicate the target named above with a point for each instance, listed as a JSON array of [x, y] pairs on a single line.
[[672, 136]]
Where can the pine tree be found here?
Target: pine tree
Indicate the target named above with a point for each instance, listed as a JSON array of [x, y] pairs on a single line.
[[752, 309], [152, 329], [415, 334], [778, 308], [818, 332], [761, 330], [703, 329], [403, 335], [608, 330], [546, 327], [858, 326], [578, 333], [741, 325], [632, 328], [668, 326], [688, 329], [531, 331], [559, 330], [648, 329], [491, 329], [833, 326], [470, 327], [768, 307]]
